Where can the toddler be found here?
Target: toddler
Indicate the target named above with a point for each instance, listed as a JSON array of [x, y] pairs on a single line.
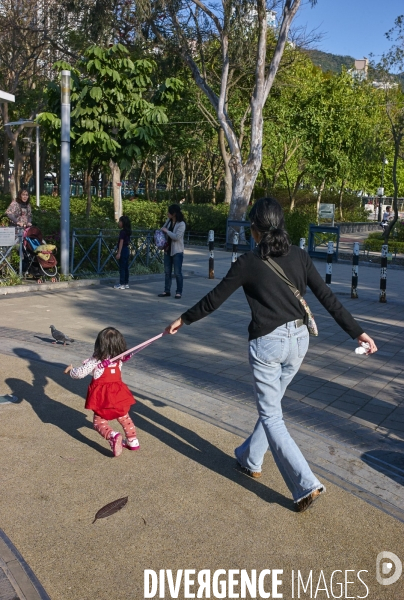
[[107, 395]]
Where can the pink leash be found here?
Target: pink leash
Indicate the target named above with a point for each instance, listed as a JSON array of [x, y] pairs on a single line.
[[132, 351]]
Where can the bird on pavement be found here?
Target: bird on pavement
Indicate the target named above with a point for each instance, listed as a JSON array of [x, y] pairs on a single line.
[[59, 336]]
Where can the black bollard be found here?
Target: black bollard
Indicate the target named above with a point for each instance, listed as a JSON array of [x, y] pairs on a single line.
[[328, 272], [383, 273], [355, 263], [235, 244]]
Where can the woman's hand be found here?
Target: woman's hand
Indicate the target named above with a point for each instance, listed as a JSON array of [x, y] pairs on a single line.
[[68, 369], [118, 255], [364, 338], [164, 229], [174, 327]]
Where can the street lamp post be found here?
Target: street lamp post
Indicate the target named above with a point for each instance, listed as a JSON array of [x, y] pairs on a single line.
[[65, 174], [28, 123]]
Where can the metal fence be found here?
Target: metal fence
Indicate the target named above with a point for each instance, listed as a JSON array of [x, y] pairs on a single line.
[[94, 250]]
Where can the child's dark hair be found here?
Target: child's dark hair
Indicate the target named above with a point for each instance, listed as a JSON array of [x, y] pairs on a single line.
[[175, 209], [266, 218], [109, 343], [126, 226]]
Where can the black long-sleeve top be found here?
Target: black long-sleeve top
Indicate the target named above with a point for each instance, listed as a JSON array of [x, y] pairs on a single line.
[[271, 301]]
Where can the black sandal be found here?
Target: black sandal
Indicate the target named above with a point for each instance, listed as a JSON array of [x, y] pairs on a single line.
[[164, 295], [177, 296]]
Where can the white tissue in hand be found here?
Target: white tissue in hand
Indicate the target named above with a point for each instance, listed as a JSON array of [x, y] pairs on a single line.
[[363, 348]]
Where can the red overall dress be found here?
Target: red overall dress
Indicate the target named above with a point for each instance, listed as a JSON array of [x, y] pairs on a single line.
[[108, 396]]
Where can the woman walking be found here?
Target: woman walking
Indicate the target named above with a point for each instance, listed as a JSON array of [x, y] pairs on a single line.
[[278, 340], [174, 228]]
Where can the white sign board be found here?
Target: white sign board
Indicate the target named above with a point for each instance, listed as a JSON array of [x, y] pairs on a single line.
[[326, 211], [7, 236], [6, 96]]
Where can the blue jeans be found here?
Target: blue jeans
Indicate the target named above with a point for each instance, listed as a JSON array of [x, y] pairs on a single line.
[[176, 262], [275, 359], [124, 266]]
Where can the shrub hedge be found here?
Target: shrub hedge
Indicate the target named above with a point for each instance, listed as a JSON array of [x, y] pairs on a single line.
[[375, 245], [145, 214]]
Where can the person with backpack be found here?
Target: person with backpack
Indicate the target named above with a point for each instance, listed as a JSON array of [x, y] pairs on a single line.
[[174, 228]]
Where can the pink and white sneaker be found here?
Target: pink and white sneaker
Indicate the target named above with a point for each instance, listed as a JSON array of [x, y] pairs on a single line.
[[131, 444], [115, 441]]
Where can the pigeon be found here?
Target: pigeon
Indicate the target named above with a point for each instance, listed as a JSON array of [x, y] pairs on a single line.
[[59, 336]]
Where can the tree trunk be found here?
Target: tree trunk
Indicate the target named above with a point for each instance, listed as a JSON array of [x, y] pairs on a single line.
[[341, 193], [18, 161], [387, 230], [264, 179], [87, 189], [243, 180], [5, 153], [227, 171], [296, 188], [116, 178], [137, 181], [320, 193], [288, 184], [18, 165], [147, 183], [104, 185], [212, 178], [170, 176], [96, 173]]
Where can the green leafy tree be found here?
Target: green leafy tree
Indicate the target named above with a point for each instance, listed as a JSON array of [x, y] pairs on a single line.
[[116, 110], [392, 62], [241, 32]]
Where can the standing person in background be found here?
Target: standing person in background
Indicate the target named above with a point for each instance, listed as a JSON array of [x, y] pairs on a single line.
[[174, 228], [387, 216], [122, 254], [278, 341], [19, 211]]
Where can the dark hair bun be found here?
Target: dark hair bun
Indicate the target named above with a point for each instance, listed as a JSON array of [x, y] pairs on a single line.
[[267, 219]]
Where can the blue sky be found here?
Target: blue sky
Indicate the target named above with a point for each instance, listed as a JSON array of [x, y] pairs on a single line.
[[351, 27]]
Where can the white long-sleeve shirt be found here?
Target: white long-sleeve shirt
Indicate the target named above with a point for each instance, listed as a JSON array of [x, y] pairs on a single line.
[[91, 366]]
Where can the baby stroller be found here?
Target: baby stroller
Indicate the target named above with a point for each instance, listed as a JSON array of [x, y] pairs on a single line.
[[38, 260]]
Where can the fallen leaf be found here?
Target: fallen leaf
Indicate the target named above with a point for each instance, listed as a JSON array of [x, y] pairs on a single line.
[[144, 520], [111, 508]]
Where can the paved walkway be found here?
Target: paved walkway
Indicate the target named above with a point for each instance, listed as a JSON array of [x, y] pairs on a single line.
[[188, 507]]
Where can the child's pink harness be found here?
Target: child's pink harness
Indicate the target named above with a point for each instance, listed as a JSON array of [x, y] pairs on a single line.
[[131, 351]]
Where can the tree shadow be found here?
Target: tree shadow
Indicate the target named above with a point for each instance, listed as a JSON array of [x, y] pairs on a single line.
[[48, 409], [387, 462], [200, 450]]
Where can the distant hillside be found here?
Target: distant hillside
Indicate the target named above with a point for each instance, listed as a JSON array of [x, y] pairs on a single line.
[[335, 62], [331, 62]]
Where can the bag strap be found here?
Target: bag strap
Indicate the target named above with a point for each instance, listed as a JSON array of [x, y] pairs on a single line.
[[281, 274]]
